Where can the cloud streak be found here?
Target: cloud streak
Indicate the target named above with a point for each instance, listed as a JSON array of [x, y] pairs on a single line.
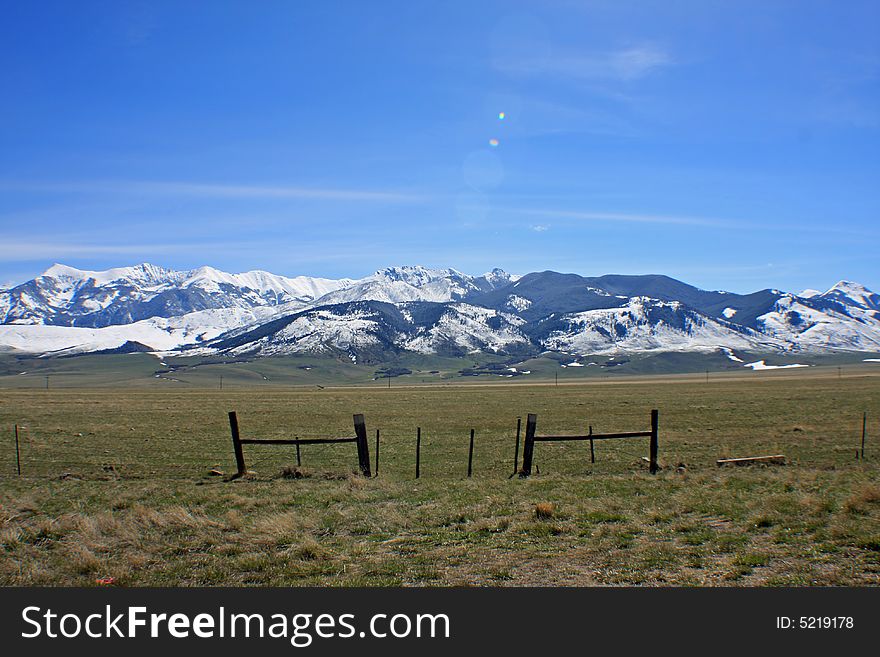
[[24, 250], [313, 250], [618, 217], [676, 220], [624, 64], [210, 190]]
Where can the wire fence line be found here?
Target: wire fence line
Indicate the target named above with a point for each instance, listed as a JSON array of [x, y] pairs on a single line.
[[442, 454], [112, 452]]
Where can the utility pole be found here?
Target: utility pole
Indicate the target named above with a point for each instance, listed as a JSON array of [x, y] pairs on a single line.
[[221, 382], [47, 383]]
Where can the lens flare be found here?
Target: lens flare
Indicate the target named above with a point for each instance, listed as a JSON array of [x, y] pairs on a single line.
[[501, 116], [493, 143]]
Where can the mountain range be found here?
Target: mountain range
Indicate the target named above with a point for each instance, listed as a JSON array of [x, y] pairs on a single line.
[[416, 309]]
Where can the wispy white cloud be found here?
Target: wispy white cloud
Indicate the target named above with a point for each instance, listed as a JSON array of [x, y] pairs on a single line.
[[24, 250], [619, 217], [623, 64], [540, 228], [209, 190], [547, 117], [313, 250], [684, 220]]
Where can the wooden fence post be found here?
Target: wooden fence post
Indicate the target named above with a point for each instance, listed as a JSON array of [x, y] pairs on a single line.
[[298, 455], [18, 451], [360, 431], [516, 450], [592, 453], [471, 455], [655, 422], [376, 473], [529, 445], [418, 449], [236, 445]]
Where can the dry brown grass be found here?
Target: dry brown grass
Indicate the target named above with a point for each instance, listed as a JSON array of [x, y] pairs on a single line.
[[294, 472], [860, 501]]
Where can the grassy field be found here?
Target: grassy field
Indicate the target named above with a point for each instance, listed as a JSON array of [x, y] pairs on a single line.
[[116, 482], [172, 372]]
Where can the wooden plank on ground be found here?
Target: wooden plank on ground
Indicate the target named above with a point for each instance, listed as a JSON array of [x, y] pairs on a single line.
[[776, 459]]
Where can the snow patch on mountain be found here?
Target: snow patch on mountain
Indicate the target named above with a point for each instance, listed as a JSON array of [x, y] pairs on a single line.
[[515, 302], [731, 356], [761, 366]]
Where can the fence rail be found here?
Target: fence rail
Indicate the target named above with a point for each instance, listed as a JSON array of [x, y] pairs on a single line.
[[532, 438], [360, 438]]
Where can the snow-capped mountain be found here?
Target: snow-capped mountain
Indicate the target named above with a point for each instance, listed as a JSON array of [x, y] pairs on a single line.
[[370, 330], [846, 317], [422, 310], [155, 333], [645, 324], [853, 294], [64, 296], [494, 279], [402, 284]]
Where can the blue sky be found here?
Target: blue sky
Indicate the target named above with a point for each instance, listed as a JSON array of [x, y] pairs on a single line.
[[733, 145]]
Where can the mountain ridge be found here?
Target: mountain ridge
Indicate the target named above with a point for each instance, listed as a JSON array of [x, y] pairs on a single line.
[[419, 309]]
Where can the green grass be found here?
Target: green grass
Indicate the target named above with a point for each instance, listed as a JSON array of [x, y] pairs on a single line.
[[179, 373], [116, 483]]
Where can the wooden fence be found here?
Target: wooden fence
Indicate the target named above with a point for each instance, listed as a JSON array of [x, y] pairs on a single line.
[[532, 438], [360, 439]]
